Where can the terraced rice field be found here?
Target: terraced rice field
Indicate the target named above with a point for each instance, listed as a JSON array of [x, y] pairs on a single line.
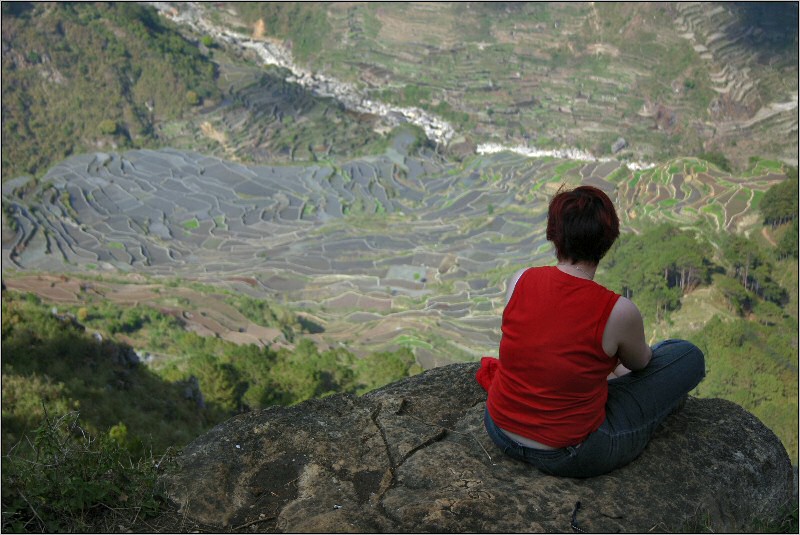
[[381, 251], [668, 77]]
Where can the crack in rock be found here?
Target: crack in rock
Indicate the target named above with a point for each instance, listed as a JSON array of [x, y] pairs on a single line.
[[321, 466]]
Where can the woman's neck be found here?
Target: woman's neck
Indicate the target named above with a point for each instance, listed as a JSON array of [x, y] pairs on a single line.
[[583, 270]]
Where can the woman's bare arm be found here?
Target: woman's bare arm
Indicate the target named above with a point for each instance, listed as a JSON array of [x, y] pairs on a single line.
[[624, 336]]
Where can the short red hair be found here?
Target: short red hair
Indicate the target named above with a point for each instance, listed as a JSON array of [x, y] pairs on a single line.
[[582, 224]]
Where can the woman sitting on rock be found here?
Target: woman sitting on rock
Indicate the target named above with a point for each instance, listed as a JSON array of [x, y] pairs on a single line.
[[577, 391]]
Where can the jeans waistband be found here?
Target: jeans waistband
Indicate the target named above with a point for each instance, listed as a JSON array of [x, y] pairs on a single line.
[[535, 445]]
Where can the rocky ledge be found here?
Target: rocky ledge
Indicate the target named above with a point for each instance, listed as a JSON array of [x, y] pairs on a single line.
[[413, 457]]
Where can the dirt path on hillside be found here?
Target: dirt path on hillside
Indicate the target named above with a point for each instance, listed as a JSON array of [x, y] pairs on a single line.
[[768, 236]]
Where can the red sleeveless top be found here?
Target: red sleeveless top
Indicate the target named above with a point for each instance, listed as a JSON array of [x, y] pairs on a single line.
[[550, 384]]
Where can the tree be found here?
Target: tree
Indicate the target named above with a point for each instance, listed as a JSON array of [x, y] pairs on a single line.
[[780, 203], [218, 382], [787, 246], [735, 294], [752, 268], [768, 313], [717, 158]]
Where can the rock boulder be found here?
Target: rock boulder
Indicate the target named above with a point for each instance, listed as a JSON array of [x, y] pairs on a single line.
[[414, 457]]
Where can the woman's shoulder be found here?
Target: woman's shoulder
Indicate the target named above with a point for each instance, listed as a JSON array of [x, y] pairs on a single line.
[[512, 283], [528, 271]]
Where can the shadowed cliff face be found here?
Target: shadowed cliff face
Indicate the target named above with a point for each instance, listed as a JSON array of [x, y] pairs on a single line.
[[413, 456], [769, 28]]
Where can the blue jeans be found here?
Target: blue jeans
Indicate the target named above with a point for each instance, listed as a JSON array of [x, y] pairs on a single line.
[[637, 404]]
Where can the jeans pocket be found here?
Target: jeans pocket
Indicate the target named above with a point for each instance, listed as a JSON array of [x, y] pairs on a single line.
[[551, 462]]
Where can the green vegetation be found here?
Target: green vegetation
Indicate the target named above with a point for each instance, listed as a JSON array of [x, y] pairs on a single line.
[[50, 363], [291, 125], [83, 420], [750, 341], [191, 224], [670, 262], [787, 246], [67, 480], [753, 268], [717, 158], [269, 314], [779, 204], [51, 359], [755, 366], [83, 74], [304, 23], [107, 127], [192, 98], [416, 96]]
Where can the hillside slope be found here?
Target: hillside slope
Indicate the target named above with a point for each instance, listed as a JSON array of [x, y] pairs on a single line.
[[673, 79], [78, 77]]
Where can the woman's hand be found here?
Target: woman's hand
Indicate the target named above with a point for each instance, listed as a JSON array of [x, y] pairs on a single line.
[[619, 371]]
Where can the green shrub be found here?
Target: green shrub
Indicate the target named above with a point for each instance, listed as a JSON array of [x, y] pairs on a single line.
[[108, 127], [787, 246], [64, 480], [51, 361], [717, 158], [192, 98]]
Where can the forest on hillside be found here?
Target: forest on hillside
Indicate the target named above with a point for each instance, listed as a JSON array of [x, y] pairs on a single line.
[[118, 69]]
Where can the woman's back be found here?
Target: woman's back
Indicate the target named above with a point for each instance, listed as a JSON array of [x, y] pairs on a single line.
[[553, 399], [551, 384]]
